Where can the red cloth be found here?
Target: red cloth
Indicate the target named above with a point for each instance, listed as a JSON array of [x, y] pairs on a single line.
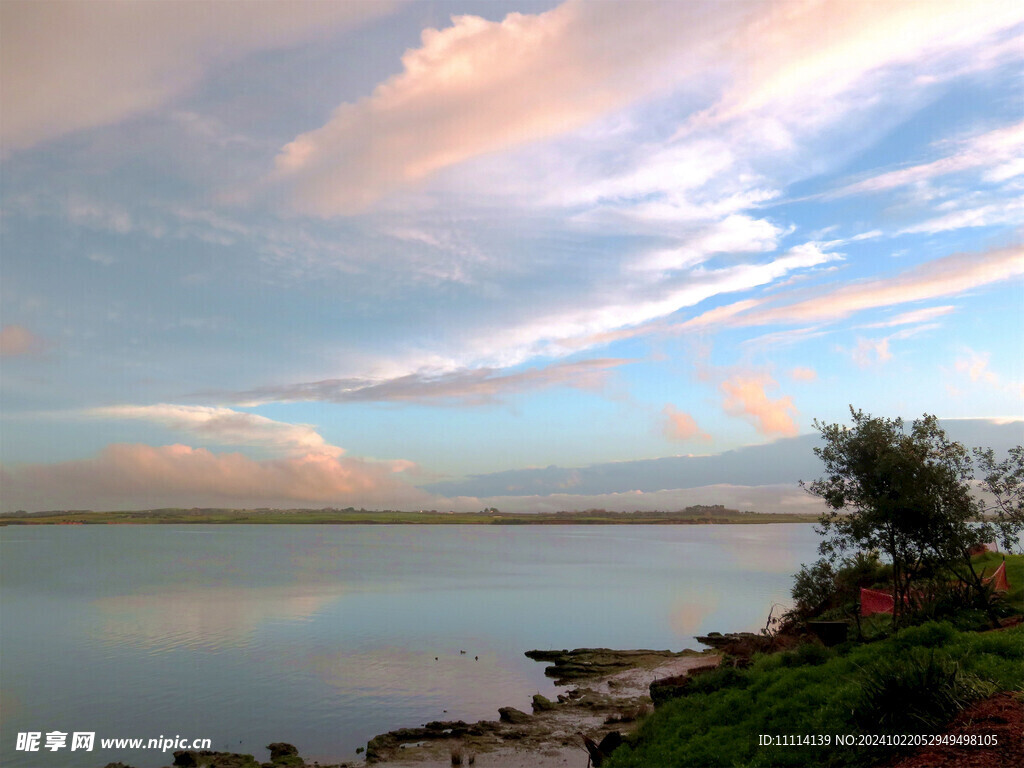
[[873, 601], [998, 579]]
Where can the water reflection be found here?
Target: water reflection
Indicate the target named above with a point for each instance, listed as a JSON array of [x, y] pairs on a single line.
[[688, 615], [211, 618], [323, 636], [447, 679], [767, 550]]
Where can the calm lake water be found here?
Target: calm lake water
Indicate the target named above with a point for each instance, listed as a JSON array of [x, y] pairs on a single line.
[[324, 636]]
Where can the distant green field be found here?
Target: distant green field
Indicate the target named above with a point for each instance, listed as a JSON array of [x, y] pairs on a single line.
[[689, 516]]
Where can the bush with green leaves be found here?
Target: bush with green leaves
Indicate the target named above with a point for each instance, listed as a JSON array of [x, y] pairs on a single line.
[[910, 683]]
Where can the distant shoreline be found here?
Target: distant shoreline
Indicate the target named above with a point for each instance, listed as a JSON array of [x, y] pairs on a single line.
[[702, 515]]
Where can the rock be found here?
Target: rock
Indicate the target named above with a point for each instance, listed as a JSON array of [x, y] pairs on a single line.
[[512, 715], [582, 663], [542, 704], [207, 758]]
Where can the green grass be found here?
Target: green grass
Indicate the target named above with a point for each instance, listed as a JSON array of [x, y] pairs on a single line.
[[911, 683]]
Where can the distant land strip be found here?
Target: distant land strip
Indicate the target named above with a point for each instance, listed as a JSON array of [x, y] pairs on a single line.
[[698, 515]]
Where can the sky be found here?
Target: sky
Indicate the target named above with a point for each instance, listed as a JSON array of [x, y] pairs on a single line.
[[532, 255]]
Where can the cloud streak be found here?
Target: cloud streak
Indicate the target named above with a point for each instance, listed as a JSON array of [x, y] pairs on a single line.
[[997, 149], [946, 276], [477, 386]]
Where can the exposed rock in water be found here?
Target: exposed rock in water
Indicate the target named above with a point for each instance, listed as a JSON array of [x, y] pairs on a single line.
[[583, 663], [513, 715], [206, 758], [718, 640], [381, 746], [282, 755], [542, 703]]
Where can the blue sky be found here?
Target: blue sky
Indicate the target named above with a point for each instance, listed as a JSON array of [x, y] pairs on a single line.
[[390, 254]]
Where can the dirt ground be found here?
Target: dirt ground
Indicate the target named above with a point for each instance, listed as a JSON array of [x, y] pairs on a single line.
[[1001, 716]]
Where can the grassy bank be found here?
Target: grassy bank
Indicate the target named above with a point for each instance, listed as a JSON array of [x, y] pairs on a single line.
[[912, 683]]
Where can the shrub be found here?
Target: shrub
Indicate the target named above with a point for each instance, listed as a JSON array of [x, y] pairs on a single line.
[[915, 691]]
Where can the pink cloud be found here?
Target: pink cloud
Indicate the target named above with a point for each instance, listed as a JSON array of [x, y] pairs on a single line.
[[143, 476], [227, 426], [482, 86], [17, 340], [679, 425], [946, 276], [803, 374], [784, 54], [940, 277], [745, 396]]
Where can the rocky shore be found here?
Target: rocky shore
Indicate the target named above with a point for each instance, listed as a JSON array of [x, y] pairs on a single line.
[[610, 691]]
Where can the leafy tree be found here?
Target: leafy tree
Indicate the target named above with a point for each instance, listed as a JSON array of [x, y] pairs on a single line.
[[814, 588], [904, 493], [1004, 483]]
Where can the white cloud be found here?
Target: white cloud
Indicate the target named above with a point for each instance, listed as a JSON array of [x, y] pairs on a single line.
[[869, 352], [999, 150], [479, 87], [1003, 212], [823, 49], [913, 317], [637, 304], [975, 366], [736, 233]]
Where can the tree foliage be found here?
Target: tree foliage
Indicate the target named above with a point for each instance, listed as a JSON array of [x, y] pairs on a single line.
[[1003, 481], [908, 494]]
